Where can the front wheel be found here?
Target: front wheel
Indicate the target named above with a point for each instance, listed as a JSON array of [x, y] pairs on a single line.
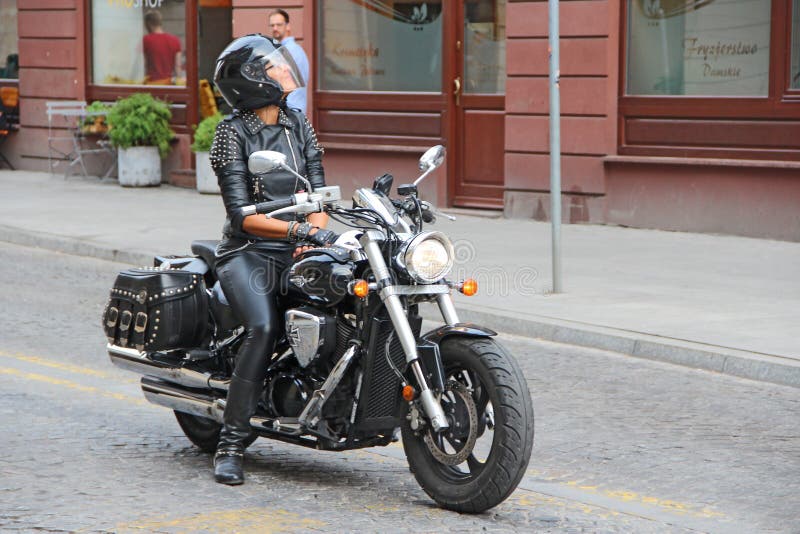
[[478, 461]]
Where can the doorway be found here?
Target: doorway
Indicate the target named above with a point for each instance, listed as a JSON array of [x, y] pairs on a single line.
[[477, 104]]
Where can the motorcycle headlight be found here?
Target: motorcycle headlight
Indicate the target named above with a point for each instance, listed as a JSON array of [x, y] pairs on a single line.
[[429, 257]]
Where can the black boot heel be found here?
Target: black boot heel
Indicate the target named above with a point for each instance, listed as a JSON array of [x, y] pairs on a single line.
[[228, 467]]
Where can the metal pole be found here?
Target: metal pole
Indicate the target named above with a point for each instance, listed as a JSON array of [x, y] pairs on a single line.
[[555, 143]]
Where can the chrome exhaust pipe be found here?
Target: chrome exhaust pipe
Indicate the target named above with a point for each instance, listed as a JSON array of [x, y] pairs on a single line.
[[178, 399], [138, 362]]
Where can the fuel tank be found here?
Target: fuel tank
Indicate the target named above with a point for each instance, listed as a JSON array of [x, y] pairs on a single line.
[[322, 274]]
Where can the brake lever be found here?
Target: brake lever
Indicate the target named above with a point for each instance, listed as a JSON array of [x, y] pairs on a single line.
[[436, 211], [306, 207]]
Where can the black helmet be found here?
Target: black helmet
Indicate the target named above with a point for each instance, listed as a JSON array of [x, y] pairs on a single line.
[[245, 77]]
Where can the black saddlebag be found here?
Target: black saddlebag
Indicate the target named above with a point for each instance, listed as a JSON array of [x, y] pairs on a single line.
[[155, 310]]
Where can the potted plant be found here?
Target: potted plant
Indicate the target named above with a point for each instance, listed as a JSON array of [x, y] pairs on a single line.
[[203, 137], [139, 128]]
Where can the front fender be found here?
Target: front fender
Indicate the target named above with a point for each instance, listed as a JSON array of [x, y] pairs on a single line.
[[428, 348], [460, 329]]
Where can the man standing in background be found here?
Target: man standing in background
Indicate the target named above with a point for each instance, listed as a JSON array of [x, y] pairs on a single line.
[[280, 30], [162, 52]]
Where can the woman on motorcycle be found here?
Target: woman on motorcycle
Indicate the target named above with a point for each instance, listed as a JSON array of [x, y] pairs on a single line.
[[254, 76]]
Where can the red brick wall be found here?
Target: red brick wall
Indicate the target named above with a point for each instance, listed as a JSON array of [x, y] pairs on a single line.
[[589, 58], [52, 67]]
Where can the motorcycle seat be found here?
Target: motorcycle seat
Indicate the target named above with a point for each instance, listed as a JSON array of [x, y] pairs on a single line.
[[206, 249]]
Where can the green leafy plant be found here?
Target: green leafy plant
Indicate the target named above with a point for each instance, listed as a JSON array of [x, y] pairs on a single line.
[[204, 133], [95, 119], [140, 120]]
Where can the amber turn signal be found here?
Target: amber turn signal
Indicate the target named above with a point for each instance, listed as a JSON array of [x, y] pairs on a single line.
[[409, 393], [469, 287], [360, 288]]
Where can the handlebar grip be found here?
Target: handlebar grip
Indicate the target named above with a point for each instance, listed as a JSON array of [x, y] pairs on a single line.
[[266, 207]]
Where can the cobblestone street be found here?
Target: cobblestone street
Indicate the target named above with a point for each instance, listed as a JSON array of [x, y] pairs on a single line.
[[622, 444]]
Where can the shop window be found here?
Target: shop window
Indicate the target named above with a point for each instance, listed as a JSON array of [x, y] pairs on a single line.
[[9, 56], [699, 47], [372, 45], [139, 42]]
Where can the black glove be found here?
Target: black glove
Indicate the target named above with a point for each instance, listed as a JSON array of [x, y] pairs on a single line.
[[322, 237]]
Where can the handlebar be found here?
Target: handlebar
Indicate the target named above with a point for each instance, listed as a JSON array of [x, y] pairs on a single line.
[[266, 207], [298, 203], [273, 205]]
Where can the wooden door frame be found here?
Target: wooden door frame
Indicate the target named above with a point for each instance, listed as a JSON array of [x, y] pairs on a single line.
[[453, 12], [454, 56]]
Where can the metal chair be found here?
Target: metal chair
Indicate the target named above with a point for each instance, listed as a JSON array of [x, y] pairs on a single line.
[[73, 114]]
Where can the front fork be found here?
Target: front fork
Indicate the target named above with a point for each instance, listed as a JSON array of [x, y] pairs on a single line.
[[430, 405]]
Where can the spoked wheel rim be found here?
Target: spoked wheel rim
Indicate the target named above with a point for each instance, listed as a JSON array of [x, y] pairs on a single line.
[[462, 452]]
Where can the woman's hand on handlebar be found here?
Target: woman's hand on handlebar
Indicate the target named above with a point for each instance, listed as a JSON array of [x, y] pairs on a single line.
[[299, 250]]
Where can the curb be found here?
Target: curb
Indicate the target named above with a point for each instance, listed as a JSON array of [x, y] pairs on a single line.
[[70, 245], [724, 360]]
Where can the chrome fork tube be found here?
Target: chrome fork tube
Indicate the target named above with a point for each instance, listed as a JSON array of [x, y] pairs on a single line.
[[394, 306], [448, 309]]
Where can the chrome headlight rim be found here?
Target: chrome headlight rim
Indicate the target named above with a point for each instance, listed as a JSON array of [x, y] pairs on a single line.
[[414, 243]]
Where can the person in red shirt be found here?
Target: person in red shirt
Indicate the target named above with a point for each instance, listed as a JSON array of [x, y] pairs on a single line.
[[162, 52]]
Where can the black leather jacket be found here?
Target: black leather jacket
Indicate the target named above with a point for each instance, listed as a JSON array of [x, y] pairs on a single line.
[[239, 135]]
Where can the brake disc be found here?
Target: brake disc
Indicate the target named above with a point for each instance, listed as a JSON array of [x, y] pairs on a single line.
[[462, 395]]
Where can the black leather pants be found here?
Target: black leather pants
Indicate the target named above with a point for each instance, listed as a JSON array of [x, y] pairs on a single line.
[[251, 281]]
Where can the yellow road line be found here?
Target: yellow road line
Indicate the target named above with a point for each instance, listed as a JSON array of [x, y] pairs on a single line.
[[668, 505], [249, 520], [38, 360], [54, 364], [71, 385]]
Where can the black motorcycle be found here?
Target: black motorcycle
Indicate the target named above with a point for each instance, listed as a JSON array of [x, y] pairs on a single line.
[[352, 366]]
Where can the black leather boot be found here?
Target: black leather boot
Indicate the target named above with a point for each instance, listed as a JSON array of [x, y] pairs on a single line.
[[239, 407]]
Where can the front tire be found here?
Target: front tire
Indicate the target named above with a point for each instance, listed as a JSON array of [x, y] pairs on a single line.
[[204, 432], [472, 470]]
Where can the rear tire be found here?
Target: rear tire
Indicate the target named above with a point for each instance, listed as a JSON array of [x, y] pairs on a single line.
[[497, 462], [204, 432]]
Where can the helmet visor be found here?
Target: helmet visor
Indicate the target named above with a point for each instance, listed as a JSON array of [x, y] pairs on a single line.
[[277, 67]]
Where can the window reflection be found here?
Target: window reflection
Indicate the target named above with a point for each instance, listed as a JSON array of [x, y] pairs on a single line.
[[485, 46], [138, 43], [372, 45], [698, 47]]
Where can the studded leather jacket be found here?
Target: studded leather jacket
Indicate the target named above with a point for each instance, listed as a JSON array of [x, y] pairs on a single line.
[[239, 135]]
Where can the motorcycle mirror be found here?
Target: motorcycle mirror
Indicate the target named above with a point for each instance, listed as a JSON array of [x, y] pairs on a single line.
[[432, 158], [265, 161]]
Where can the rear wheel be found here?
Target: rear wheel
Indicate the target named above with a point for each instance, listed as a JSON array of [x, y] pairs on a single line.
[[204, 432], [478, 461]]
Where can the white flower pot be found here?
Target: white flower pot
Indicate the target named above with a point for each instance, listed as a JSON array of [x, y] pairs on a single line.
[[206, 179], [139, 166]]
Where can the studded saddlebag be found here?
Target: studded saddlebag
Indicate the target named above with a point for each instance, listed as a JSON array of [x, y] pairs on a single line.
[[156, 310]]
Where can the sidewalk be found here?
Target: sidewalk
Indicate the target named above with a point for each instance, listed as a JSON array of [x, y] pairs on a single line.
[[726, 304]]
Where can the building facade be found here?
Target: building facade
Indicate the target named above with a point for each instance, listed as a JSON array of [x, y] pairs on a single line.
[[676, 114]]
